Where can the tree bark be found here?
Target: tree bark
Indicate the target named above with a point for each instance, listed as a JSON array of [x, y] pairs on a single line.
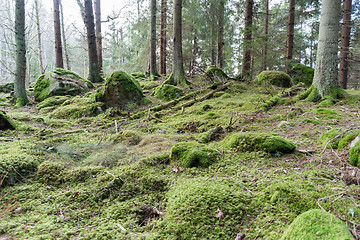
[[345, 43], [153, 68], [163, 41], [67, 60], [220, 39], [246, 66], [290, 35], [98, 33], [213, 32], [57, 30], [266, 33], [20, 74], [94, 72], [326, 69], [38, 29]]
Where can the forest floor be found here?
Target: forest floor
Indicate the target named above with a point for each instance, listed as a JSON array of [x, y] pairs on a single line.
[[110, 176]]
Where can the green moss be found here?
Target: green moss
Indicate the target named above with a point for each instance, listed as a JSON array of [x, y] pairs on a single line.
[[50, 173], [82, 173], [347, 139], [249, 142], [317, 224], [170, 80], [122, 78], [355, 154], [21, 101], [127, 137], [212, 115], [277, 78], [303, 74], [52, 101], [41, 88], [214, 72], [8, 123], [210, 135], [330, 136], [137, 75], [168, 92], [192, 154], [193, 205]]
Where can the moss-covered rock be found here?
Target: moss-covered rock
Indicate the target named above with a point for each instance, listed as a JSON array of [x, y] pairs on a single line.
[[138, 75], [249, 142], [60, 82], [355, 152], [6, 123], [50, 172], [277, 78], [192, 154], [302, 74], [52, 102], [77, 107], [215, 73], [204, 209], [168, 92], [7, 88], [317, 224], [120, 90]]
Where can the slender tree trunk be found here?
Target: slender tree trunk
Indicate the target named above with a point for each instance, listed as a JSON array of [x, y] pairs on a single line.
[[220, 39], [20, 75], [163, 41], [153, 68], [194, 52], [82, 10], [94, 72], [345, 43], [266, 33], [326, 69], [98, 33], [246, 67], [290, 35], [178, 65], [213, 32], [67, 60], [38, 29], [57, 30]]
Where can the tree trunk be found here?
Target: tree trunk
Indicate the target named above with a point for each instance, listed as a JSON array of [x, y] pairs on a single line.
[[98, 33], [194, 53], [67, 60], [178, 65], [163, 41], [20, 74], [153, 68], [266, 33], [38, 29], [246, 67], [82, 10], [326, 69], [290, 35], [213, 32], [94, 72], [345, 43], [220, 39], [57, 30]]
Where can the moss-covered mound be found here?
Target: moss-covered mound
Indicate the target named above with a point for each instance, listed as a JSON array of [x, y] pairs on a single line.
[[302, 74], [121, 90], [60, 82], [249, 142], [355, 152], [52, 102], [7, 88], [277, 78], [50, 173], [214, 72], [77, 107], [211, 135], [317, 224], [192, 154], [127, 137], [204, 209], [138, 75], [168, 92], [6, 123]]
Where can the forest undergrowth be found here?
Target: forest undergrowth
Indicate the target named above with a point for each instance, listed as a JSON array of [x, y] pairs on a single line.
[[117, 175]]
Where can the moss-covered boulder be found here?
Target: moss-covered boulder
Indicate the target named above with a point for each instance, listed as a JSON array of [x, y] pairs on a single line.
[[6, 123], [121, 90], [277, 78], [302, 74], [7, 88], [204, 209], [168, 92], [317, 224], [60, 82], [250, 142], [214, 72], [192, 154]]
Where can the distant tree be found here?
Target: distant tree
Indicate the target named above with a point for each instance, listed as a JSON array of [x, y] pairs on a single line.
[[290, 35], [20, 74], [57, 31], [153, 68], [38, 29], [213, 21], [345, 43], [94, 71], [67, 60], [220, 38], [246, 66], [266, 33], [163, 40], [98, 33]]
